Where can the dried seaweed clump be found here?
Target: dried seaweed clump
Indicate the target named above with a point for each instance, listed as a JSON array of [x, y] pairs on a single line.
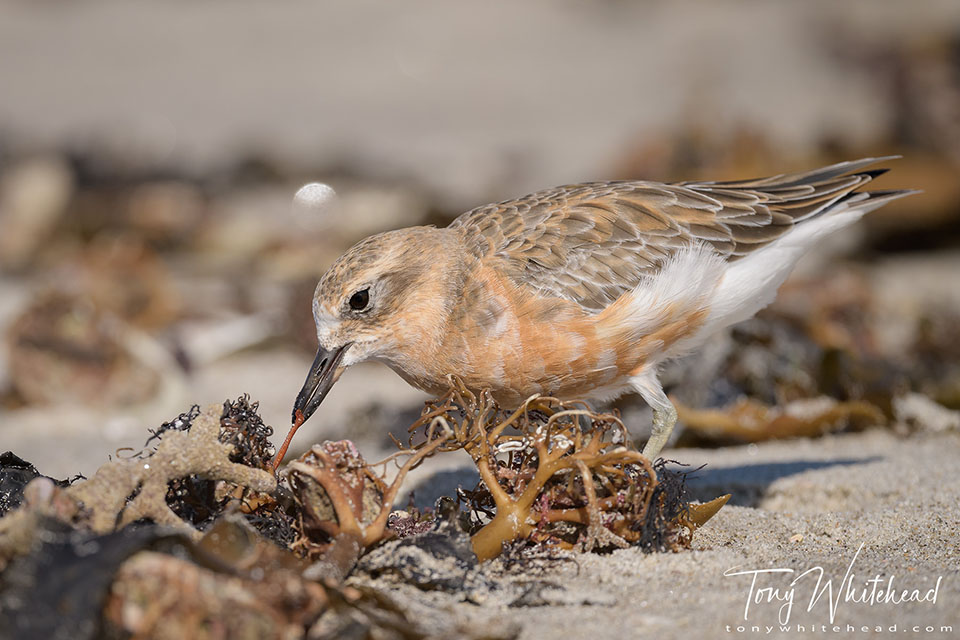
[[342, 499], [563, 475], [198, 499], [242, 428]]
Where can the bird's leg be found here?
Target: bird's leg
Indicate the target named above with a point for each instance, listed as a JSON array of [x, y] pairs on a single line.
[[664, 413], [663, 420]]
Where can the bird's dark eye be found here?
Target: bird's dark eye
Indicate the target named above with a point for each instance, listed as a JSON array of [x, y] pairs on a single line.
[[359, 300]]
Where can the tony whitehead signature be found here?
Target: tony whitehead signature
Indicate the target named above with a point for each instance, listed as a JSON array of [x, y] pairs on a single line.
[[874, 591]]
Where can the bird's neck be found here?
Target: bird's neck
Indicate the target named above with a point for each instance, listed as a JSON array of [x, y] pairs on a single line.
[[419, 341]]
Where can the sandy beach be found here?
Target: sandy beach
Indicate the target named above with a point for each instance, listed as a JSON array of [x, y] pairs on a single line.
[[151, 260]]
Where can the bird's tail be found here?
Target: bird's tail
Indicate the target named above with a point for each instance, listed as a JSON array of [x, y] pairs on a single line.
[[751, 283]]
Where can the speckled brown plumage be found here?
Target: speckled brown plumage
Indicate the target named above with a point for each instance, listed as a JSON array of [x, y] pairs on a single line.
[[583, 290], [590, 243]]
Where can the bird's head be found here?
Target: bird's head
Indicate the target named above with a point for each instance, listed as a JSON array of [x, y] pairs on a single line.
[[383, 299]]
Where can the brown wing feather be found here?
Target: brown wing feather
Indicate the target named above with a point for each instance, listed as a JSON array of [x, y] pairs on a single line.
[[590, 243]]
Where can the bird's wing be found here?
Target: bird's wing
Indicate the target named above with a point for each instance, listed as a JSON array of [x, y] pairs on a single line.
[[590, 243]]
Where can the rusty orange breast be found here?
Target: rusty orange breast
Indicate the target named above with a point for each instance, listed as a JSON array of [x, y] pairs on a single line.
[[507, 339]]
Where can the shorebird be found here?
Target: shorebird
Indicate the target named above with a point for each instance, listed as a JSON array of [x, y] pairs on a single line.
[[581, 291]]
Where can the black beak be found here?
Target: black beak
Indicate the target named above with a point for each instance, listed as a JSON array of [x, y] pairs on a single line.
[[319, 381]]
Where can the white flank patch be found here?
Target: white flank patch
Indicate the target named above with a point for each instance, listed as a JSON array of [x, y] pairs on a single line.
[[684, 285], [751, 283]]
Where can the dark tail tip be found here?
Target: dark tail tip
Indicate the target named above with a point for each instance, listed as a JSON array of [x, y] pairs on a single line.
[[873, 173]]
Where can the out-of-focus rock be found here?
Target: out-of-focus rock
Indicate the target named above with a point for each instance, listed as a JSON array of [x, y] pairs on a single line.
[[165, 213], [200, 343], [63, 349], [33, 196], [57, 589], [244, 222], [124, 277], [159, 596]]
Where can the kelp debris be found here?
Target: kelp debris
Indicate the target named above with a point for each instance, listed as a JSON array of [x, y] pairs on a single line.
[[563, 476], [441, 557], [58, 590], [15, 474], [340, 495], [748, 420], [242, 427], [266, 557]]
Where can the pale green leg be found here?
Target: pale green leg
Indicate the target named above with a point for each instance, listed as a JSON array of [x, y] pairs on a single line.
[[664, 413]]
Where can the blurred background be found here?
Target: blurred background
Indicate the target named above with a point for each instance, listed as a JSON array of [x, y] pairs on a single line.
[[150, 258]]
